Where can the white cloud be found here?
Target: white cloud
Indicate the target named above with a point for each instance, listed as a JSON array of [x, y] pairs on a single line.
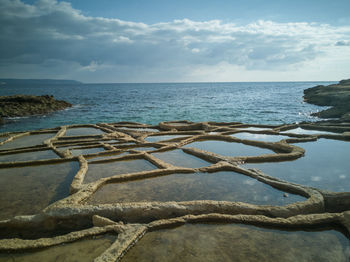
[[122, 39], [182, 50], [195, 50], [92, 67]]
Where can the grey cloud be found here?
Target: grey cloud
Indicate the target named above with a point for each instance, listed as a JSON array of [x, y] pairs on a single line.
[[54, 31], [343, 43]]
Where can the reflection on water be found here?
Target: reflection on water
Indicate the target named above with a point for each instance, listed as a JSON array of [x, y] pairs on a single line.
[[25, 141], [229, 149], [325, 165], [29, 156], [139, 129], [227, 186], [179, 158], [162, 138], [83, 131], [299, 130], [259, 137], [85, 151], [201, 242], [254, 128], [143, 148], [27, 190], [103, 157], [97, 171], [81, 250]]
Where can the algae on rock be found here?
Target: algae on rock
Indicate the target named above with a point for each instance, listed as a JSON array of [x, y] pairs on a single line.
[[25, 105]]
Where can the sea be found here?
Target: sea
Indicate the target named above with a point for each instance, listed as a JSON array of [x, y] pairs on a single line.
[[151, 103]]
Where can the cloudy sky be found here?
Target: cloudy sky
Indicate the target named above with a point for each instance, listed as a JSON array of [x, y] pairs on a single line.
[[175, 41]]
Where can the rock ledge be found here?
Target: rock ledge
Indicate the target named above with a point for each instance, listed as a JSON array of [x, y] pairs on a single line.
[[26, 105], [336, 95]]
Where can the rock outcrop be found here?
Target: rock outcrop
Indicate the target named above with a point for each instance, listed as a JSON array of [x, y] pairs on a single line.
[[336, 95], [25, 105]]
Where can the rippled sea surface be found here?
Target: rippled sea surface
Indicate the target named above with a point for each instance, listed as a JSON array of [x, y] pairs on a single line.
[[259, 102]]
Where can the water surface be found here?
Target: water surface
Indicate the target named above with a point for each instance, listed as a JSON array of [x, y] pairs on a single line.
[[300, 130], [254, 128], [27, 190], [229, 148], [97, 171], [260, 137], [325, 165], [86, 151], [83, 131], [163, 138], [181, 159], [26, 141], [221, 186], [78, 251], [29, 156], [241, 243], [256, 103], [138, 129], [103, 157], [143, 148]]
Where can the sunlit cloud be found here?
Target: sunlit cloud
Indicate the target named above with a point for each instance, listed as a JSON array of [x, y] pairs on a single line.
[[104, 49]]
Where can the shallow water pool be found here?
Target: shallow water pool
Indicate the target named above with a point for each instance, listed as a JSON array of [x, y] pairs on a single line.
[[29, 156], [97, 171], [229, 149], [83, 131], [27, 190], [260, 137], [86, 151], [162, 138], [221, 186], [241, 243], [180, 158], [26, 141], [325, 165], [300, 130], [81, 250]]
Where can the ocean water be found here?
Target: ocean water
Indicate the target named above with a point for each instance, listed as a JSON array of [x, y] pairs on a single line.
[[254, 102]]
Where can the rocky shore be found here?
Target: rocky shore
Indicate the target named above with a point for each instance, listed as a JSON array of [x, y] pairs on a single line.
[[26, 105], [337, 96], [132, 182]]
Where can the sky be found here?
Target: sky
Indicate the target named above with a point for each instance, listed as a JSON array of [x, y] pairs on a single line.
[[109, 41]]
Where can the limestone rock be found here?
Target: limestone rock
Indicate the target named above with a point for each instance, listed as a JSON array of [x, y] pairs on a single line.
[[25, 105], [337, 96]]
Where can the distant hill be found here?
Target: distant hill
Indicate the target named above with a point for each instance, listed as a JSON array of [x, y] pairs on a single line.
[[12, 81]]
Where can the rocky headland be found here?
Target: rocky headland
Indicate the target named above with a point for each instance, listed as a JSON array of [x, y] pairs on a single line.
[[337, 96], [26, 105]]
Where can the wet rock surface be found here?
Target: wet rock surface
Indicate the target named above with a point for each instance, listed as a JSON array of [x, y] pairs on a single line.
[[172, 182], [25, 105], [337, 96]]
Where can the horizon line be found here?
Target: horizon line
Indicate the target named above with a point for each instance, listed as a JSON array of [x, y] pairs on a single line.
[[207, 82], [165, 82]]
